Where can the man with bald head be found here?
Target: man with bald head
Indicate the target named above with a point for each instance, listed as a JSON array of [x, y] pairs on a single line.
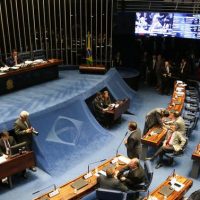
[[110, 182], [133, 174]]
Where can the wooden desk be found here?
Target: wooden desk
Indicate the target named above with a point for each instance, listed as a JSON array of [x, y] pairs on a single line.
[[175, 195], [114, 114], [155, 140], [17, 164], [196, 162], [94, 69], [66, 191], [30, 75]]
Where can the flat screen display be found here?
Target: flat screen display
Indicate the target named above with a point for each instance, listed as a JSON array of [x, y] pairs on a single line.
[[183, 25]]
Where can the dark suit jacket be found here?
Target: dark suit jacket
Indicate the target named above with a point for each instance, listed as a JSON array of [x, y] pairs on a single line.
[[11, 62], [2, 144], [133, 177], [111, 183], [20, 131], [133, 144]]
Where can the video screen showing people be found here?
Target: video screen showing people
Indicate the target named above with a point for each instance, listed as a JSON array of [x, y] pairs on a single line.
[[153, 23], [183, 25]]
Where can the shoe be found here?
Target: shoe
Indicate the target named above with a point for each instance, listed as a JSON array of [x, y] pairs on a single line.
[[33, 169], [149, 158], [159, 165], [5, 180]]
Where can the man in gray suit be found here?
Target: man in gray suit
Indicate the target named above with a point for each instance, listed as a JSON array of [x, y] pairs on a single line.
[[180, 123], [110, 182], [154, 117], [133, 142], [174, 142], [24, 131]]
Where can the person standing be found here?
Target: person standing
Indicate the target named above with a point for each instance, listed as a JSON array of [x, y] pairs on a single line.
[[24, 131], [133, 142]]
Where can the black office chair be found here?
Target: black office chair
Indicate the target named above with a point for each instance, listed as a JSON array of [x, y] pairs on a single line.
[[26, 55], [171, 155], [143, 187], [38, 54]]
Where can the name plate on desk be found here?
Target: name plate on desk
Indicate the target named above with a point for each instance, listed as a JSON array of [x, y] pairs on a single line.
[[54, 193]]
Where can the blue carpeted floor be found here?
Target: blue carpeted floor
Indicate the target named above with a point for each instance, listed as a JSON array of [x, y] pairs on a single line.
[[70, 137]]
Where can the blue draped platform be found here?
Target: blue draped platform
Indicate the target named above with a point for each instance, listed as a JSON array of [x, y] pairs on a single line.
[[68, 130]]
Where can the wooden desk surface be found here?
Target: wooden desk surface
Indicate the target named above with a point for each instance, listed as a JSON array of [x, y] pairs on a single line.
[[17, 164], [122, 108], [176, 104], [174, 195], [50, 62], [66, 191], [196, 153]]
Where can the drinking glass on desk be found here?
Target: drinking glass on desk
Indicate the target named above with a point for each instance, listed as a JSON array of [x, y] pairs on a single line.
[[75, 191]]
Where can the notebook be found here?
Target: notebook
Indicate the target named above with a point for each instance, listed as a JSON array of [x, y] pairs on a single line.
[[166, 190], [80, 183]]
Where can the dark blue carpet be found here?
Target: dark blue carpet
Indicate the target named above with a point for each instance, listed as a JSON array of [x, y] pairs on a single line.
[[70, 137]]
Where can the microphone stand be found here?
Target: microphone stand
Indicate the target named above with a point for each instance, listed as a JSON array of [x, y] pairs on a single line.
[[121, 143], [44, 189], [89, 174]]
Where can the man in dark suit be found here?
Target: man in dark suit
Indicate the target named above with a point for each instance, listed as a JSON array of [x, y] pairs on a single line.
[[132, 175], [133, 143], [110, 182], [6, 142], [24, 131], [14, 59], [154, 117]]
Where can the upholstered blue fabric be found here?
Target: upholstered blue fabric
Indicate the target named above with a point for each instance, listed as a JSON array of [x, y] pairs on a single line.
[[104, 194]]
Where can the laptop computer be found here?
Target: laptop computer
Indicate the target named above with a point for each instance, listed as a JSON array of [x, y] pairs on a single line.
[[80, 183], [166, 190]]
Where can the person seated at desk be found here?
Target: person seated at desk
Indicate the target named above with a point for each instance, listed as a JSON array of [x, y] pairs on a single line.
[[6, 142], [106, 99], [14, 59], [174, 142], [133, 142], [132, 175], [98, 105], [110, 182], [179, 123], [154, 117], [24, 131]]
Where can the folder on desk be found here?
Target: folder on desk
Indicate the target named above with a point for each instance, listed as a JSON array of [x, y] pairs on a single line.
[[177, 102], [166, 190], [157, 131], [80, 183]]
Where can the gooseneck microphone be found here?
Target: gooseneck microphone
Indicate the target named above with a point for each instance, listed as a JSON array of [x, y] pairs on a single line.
[[121, 143], [89, 174], [54, 186], [94, 163]]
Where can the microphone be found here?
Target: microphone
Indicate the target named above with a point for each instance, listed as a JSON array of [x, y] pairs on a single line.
[[174, 173], [89, 174], [44, 189], [121, 143]]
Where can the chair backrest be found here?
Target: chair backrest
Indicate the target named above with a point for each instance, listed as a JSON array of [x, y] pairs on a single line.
[[26, 55], [148, 172], [105, 194], [38, 54]]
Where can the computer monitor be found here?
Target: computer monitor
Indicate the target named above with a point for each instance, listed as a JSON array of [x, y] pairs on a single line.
[[16, 149]]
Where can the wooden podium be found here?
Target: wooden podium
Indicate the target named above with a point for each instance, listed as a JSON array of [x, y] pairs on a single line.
[[92, 69]]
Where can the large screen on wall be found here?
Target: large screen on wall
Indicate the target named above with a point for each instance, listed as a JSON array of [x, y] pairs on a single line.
[[183, 25]]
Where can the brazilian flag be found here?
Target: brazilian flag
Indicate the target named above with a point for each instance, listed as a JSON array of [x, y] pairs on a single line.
[[89, 59]]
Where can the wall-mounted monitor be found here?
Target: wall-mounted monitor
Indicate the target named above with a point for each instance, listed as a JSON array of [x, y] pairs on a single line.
[[183, 25]]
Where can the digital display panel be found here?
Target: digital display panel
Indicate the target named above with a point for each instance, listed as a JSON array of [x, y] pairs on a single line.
[[183, 25]]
